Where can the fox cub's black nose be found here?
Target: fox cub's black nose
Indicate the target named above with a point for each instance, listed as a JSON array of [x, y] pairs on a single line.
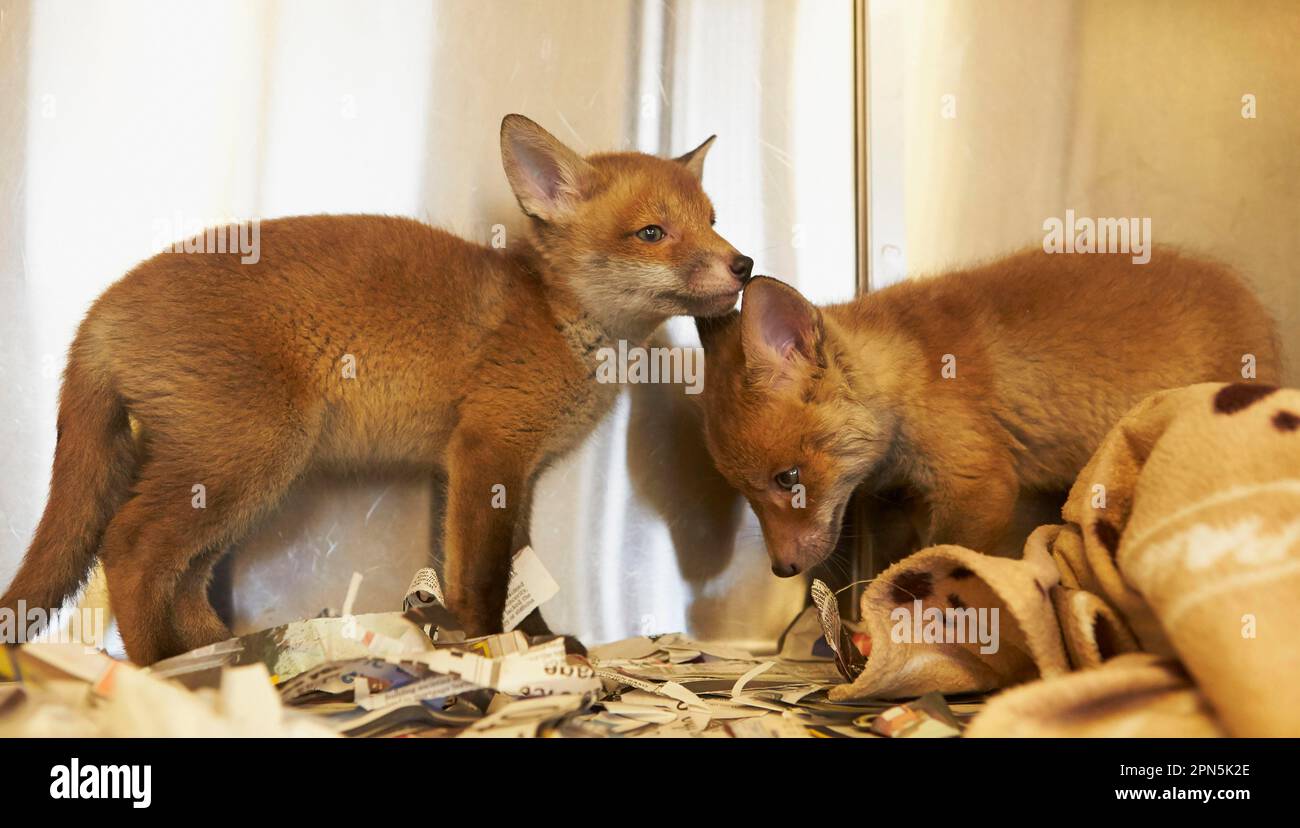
[[742, 266], [785, 570]]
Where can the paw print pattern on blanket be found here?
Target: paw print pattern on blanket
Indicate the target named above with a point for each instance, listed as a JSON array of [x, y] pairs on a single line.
[[1181, 540]]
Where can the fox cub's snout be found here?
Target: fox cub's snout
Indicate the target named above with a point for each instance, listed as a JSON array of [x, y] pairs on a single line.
[[625, 231]]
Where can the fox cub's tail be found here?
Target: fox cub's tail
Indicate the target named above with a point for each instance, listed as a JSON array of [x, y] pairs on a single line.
[[94, 460]]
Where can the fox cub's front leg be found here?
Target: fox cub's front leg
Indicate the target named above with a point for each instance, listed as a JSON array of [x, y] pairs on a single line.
[[972, 506], [485, 491]]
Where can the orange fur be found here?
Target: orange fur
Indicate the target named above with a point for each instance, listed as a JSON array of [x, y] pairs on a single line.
[[1050, 350], [470, 360]]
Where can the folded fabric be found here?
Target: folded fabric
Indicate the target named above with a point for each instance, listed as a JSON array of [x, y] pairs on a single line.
[[1181, 541], [1132, 695]]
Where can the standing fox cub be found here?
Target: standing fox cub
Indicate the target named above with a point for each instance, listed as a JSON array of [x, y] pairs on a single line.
[[360, 340], [964, 389]]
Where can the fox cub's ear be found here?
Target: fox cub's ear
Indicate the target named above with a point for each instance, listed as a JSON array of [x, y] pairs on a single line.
[[694, 160], [548, 178], [781, 331]]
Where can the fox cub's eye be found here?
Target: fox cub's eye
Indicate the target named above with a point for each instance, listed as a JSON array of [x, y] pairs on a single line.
[[650, 233], [788, 479]]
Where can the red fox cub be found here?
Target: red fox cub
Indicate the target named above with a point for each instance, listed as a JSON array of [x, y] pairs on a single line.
[[966, 389], [357, 340]]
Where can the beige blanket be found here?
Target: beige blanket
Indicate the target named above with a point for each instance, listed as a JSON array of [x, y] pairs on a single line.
[[1168, 604]]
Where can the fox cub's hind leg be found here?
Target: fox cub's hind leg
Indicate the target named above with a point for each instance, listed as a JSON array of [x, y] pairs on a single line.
[[147, 547], [195, 622], [159, 548]]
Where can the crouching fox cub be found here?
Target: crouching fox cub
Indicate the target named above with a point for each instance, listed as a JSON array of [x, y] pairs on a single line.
[[966, 390]]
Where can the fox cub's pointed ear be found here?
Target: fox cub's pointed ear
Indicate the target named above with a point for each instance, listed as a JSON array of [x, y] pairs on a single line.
[[780, 330], [694, 160], [548, 178]]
